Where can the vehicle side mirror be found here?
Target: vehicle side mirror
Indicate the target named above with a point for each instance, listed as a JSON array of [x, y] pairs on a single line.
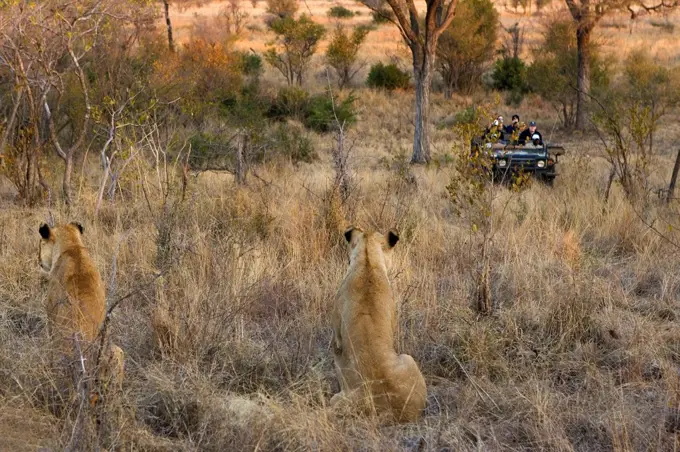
[[556, 150]]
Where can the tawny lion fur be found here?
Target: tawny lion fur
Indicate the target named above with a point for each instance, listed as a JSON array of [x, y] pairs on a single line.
[[75, 298], [364, 322]]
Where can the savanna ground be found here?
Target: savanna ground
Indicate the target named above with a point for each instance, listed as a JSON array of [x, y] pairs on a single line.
[[228, 347]]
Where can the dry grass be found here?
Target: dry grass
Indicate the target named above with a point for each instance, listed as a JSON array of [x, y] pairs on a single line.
[[229, 349]]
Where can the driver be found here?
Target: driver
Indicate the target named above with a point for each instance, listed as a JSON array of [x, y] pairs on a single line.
[[531, 134]]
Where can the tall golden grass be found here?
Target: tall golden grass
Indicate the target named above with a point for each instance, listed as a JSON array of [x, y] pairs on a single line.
[[228, 349], [226, 330]]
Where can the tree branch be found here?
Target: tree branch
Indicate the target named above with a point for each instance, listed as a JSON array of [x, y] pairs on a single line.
[[447, 19], [404, 24]]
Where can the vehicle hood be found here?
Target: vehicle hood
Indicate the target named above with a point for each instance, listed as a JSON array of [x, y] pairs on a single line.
[[519, 153]]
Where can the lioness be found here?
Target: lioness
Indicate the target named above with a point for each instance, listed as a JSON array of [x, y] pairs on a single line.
[[76, 299], [364, 320]]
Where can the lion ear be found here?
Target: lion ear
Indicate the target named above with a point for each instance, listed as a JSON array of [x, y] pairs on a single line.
[[348, 234], [79, 226], [392, 238], [44, 231]]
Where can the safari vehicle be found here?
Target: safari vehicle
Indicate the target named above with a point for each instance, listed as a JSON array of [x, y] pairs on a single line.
[[509, 160]]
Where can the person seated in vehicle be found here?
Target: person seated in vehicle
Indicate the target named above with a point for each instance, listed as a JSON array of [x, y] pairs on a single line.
[[513, 130], [531, 134], [494, 132], [514, 126]]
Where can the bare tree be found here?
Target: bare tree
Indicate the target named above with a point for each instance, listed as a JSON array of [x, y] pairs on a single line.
[[22, 129], [168, 22], [168, 25], [72, 32], [586, 15], [49, 49], [674, 178], [421, 38]]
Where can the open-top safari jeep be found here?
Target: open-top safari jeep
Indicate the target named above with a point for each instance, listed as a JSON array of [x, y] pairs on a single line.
[[509, 160]]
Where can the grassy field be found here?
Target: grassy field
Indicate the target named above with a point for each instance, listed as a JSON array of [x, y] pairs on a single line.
[[229, 348]]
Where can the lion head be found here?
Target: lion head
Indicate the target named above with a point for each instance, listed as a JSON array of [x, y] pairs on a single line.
[[374, 243], [54, 240]]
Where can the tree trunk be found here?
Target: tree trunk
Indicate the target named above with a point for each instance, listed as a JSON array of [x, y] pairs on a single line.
[[484, 301], [171, 42], [423, 77], [241, 168], [9, 128], [66, 181], [583, 83], [674, 178]]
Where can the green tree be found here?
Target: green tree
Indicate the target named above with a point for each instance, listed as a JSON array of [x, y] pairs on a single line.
[[651, 85], [553, 76], [421, 38], [387, 76], [282, 8], [628, 113], [586, 14], [296, 42], [510, 75], [342, 53], [467, 45]]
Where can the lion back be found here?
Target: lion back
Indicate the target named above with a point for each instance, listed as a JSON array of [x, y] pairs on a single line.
[[76, 297]]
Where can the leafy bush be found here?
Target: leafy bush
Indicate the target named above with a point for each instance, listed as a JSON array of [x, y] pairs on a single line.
[[290, 102], [340, 12], [202, 75], [510, 75], [321, 114], [467, 45], [251, 64], [668, 27], [382, 16], [554, 75], [316, 112], [282, 8], [342, 53], [210, 151], [387, 76], [290, 141], [466, 116], [296, 43]]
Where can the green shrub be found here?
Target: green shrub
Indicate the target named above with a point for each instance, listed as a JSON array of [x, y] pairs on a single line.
[[290, 102], [315, 112], [282, 8], [321, 114], [290, 141], [665, 25], [467, 46], [466, 116], [387, 77], [251, 64], [554, 75], [295, 44], [340, 12], [510, 75], [210, 151], [382, 16], [342, 52]]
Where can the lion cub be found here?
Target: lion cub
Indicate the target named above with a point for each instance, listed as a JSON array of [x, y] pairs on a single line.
[[364, 320], [75, 296]]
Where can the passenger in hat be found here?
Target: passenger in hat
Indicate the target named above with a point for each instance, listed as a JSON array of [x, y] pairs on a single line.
[[531, 134]]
